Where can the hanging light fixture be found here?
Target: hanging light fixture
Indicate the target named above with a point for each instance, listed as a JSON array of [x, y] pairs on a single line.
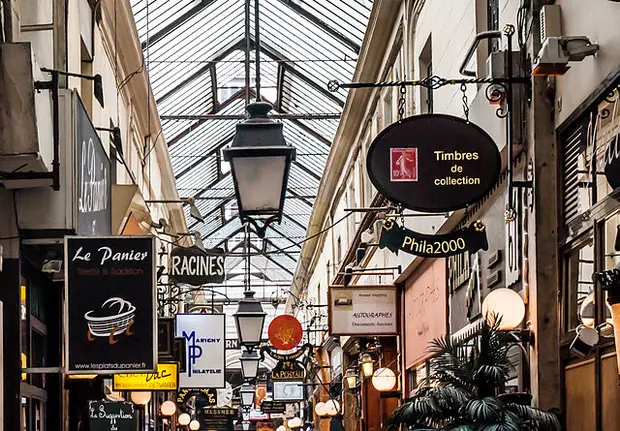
[[320, 409], [384, 379], [260, 161], [184, 419], [247, 395], [140, 398], [333, 408], [368, 365], [249, 320], [351, 377], [168, 408], [249, 364]]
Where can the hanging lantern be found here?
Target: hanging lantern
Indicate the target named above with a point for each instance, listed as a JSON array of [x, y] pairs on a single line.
[[368, 365]]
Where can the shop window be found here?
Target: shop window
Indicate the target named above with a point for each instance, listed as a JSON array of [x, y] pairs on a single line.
[[579, 287], [585, 146]]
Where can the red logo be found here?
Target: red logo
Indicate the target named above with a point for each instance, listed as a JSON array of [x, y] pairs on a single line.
[[404, 164], [285, 332]]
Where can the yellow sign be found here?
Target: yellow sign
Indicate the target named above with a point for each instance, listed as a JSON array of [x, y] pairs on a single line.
[[166, 379]]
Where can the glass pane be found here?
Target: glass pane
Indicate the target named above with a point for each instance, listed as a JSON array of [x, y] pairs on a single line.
[[579, 288]]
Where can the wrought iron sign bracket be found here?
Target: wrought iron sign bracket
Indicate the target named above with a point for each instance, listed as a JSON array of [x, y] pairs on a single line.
[[506, 83]]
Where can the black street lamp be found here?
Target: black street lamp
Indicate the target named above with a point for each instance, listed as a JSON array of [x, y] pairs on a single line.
[[247, 395], [249, 364], [260, 161], [249, 320]]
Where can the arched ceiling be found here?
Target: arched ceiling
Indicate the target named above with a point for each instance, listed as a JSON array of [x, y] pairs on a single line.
[[195, 54]]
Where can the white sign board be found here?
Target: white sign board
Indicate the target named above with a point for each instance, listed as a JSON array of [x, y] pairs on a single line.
[[206, 346], [362, 310], [288, 390]]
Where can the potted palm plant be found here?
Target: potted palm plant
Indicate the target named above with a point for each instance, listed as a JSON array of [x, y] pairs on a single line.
[[464, 388]]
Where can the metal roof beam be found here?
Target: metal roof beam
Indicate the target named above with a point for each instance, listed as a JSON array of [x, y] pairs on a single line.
[[322, 25], [176, 23], [321, 88], [304, 116], [217, 147]]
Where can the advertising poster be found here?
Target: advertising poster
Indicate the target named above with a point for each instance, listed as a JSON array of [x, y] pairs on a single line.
[[206, 347], [110, 305], [362, 310]]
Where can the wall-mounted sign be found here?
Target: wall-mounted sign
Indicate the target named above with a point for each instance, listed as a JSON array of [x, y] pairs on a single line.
[[285, 332], [272, 407], [111, 415], [471, 239], [206, 350], [292, 390], [232, 344], [433, 163], [165, 379], [110, 308], [612, 163], [94, 186], [191, 265], [165, 338], [362, 310], [288, 370], [207, 396]]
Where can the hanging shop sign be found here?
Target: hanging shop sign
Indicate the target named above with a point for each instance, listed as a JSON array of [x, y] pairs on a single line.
[[194, 266], [165, 338], [165, 379], [292, 390], [288, 370], [285, 332], [110, 305], [112, 415], [217, 418], [471, 239], [362, 310], [206, 396], [94, 186], [232, 344], [206, 350], [433, 163], [272, 407]]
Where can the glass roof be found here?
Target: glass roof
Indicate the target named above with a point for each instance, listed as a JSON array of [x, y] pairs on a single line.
[[195, 53]]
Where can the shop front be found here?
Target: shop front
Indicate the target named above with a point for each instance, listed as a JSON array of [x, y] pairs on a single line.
[[590, 244]]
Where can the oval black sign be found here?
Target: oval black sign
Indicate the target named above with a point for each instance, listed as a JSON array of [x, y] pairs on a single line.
[[433, 163], [194, 266]]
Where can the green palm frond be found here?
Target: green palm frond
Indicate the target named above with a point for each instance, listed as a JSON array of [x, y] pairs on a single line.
[[485, 410], [535, 419]]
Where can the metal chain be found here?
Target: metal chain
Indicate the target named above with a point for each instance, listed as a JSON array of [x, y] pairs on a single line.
[[402, 102], [465, 101]]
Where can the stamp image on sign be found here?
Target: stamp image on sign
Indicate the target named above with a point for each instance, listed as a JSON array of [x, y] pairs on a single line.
[[404, 164]]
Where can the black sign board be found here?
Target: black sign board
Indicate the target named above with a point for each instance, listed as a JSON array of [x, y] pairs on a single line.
[[110, 304], [204, 397], [194, 266], [232, 344], [288, 370], [433, 163], [165, 338], [217, 418], [272, 407], [180, 353], [471, 239], [94, 186], [612, 163], [112, 416]]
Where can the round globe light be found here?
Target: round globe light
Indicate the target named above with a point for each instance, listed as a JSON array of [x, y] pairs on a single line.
[[184, 419], [168, 408], [281, 428], [505, 304], [140, 398], [333, 408], [384, 379], [320, 409], [194, 425], [294, 422]]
